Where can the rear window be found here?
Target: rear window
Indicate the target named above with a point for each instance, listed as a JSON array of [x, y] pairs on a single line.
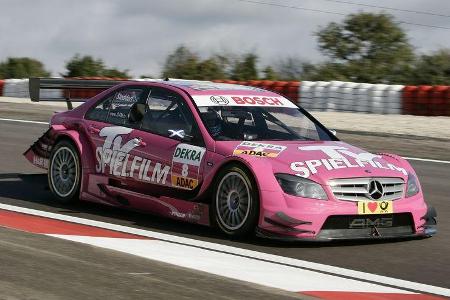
[[121, 104], [115, 108]]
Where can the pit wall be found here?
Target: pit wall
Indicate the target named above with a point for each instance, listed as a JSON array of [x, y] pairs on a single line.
[[420, 100]]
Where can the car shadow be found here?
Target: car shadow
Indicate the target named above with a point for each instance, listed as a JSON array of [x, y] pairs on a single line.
[[31, 191]]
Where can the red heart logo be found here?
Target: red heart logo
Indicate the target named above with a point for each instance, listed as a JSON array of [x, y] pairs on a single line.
[[372, 206]]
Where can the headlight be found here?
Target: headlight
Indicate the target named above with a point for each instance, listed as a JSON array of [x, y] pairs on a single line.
[[302, 187], [412, 186]]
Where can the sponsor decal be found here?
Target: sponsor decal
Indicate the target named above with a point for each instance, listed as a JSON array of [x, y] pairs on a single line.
[[114, 158], [40, 161], [375, 207], [368, 223], [257, 100], [258, 149], [124, 99], [184, 182], [186, 162], [339, 158], [219, 100], [242, 100], [176, 133], [194, 215], [118, 114], [127, 96]]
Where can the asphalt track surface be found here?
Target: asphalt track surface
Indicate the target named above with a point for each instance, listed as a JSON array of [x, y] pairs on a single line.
[[41, 267], [38, 267]]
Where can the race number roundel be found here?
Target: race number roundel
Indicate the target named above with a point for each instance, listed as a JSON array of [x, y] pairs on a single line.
[[186, 162]]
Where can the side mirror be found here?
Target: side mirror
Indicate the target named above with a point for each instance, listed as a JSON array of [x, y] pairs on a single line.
[[333, 131], [136, 113]]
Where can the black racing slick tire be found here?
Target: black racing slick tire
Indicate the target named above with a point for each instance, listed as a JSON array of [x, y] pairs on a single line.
[[64, 172], [235, 203]]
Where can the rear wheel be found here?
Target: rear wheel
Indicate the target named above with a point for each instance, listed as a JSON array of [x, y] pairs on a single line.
[[64, 172], [236, 201]]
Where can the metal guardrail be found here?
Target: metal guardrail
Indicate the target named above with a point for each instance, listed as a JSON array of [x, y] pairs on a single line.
[[67, 85]]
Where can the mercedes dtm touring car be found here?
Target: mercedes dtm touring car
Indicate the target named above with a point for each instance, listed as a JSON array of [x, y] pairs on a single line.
[[239, 158]]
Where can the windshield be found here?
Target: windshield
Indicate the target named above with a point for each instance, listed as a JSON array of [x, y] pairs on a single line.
[[260, 123]]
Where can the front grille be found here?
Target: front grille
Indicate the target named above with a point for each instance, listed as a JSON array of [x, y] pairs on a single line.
[[380, 220], [357, 189]]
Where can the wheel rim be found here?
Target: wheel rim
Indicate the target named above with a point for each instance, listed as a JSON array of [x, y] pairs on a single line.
[[64, 171], [233, 201]]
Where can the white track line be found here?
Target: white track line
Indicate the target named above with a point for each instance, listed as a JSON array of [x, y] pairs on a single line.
[[408, 158], [428, 160], [326, 270], [23, 121]]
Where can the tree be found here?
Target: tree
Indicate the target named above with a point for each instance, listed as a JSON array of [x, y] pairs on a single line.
[[186, 64], [115, 73], [433, 69], [245, 68], [182, 63], [326, 72], [210, 69], [269, 73], [87, 66], [22, 67], [368, 47], [289, 68]]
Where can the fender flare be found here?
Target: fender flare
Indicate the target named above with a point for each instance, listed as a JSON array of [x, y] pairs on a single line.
[[84, 150], [81, 142], [254, 165]]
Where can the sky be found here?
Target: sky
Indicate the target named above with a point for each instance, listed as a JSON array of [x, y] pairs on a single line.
[[139, 34]]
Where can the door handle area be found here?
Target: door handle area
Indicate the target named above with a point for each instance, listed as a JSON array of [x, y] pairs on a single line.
[[93, 129], [139, 142]]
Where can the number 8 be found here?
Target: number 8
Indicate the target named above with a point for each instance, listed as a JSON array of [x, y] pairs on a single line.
[[184, 170]]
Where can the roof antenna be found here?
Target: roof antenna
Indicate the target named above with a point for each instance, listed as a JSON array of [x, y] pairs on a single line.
[[166, 79]]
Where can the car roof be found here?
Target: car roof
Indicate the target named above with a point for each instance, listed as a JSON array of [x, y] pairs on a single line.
[[197, 87]]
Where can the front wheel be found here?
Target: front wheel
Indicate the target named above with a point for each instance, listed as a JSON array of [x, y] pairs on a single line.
[[64, 172], [236, 202]]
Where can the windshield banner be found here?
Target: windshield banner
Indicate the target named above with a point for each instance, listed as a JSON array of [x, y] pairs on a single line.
[[240, 100]]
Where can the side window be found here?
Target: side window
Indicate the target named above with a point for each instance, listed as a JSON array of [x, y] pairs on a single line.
[[100, 112], [121, 105], [114, 108], [168, 115]]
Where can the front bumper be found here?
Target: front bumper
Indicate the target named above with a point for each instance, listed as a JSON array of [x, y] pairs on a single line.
[[339, 220]]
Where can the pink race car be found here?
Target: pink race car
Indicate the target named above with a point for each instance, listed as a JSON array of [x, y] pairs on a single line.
[[240, 158]]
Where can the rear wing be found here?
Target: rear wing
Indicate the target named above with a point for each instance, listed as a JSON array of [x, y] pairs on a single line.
[[70, 89]]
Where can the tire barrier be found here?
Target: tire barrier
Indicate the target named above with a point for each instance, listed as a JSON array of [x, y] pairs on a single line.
[[351, 97], [423, 100], [17, 88], [360, 97]]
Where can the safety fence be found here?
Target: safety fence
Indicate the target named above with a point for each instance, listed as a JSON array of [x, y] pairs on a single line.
[[312, 95]]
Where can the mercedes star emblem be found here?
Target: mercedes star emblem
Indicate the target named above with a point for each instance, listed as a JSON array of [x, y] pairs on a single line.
[[375, 190]]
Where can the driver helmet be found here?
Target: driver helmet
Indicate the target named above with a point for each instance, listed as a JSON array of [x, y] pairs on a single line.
[[213, 122]]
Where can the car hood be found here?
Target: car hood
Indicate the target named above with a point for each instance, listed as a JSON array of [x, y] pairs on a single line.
[[316, 160]]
